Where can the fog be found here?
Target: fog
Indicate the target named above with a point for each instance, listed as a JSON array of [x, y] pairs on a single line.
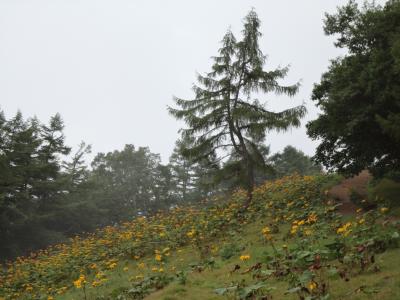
[[110, 68]]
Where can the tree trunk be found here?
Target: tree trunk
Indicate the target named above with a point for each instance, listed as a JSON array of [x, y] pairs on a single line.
[[250, 182]]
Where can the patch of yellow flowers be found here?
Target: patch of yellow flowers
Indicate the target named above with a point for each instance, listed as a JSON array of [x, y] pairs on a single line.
[[80, 281], [244, 257], [266, 231], [312, 286], [344, 229]]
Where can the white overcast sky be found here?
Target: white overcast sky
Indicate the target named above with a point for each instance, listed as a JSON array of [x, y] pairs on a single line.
[[110, 68]]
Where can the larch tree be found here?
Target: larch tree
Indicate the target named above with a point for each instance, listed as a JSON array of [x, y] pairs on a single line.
[[225, 115]]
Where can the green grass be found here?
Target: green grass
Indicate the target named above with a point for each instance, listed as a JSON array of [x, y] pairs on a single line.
[[384, 284]]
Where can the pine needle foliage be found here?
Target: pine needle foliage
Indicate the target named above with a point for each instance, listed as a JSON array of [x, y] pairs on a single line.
[[225, 115]]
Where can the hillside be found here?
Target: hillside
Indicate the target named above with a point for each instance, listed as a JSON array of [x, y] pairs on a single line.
[[291, 243]]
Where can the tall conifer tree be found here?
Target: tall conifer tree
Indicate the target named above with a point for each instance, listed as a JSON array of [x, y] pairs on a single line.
[[224, 113]]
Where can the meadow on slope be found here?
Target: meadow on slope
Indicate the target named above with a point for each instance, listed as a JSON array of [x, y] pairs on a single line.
[[290, 243]]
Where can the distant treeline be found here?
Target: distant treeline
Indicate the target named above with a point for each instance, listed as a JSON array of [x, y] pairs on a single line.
[[48, 194]]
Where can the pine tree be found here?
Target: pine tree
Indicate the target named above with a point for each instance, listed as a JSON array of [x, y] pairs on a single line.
[[224, 115], [51, 150], [192, 179], [182, 169], [76, 170], [20, 226], [77, 211], [205, 172]]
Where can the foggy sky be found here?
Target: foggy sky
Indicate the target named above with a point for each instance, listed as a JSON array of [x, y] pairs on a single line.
[[110, 68]]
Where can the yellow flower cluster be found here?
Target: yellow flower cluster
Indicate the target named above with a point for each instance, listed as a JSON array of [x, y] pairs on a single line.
[[312, 286], [80, 281], [244, 257], [312, 218], [384, 210], [191, 233], [295, 226], [100, 278], [158, 257], [112, 265], [266, 231], [345, 229], [98, 251]]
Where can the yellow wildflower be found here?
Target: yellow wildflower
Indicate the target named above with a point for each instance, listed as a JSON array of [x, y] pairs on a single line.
[[96, 283], [293, 230], [344, 230], [191, 233], [112, 265], [158, 257], [312, 285], [266, 230], [244, 257], [81, 280], [312, 218]]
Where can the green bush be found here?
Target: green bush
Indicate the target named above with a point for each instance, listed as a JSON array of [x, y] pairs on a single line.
[[358, 199], [385, 191], [329, 181], [229, 250]]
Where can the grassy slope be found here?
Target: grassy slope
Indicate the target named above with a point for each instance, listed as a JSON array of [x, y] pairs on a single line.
[[113, 250], [201, 285]]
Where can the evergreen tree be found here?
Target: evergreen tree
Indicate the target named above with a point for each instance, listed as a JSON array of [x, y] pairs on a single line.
[[182, 169], [162, 188], [30, 185], [192, 179], [52, 149], [77, 210], [76, 170], [290, 161], [19, 150], [205, 172], [224, 115]]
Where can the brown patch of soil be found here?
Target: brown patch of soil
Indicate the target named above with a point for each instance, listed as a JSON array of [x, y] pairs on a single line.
[[341, 192]]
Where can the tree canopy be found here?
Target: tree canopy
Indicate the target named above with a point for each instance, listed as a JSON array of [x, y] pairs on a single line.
[[359, 95], [48, 193], [290, 161], [225, 114]]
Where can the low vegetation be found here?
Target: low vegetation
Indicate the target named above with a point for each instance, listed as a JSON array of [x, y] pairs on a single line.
[[290, 243]]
